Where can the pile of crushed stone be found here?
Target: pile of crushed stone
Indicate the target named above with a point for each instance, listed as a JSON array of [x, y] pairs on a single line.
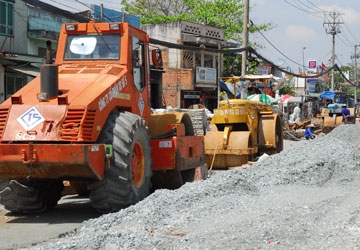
[[307, 197]]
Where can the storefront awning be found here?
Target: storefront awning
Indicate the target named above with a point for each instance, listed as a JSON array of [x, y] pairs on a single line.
[[28, 70]]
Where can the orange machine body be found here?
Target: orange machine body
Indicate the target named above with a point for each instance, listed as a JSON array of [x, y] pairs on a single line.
[[54, 136]]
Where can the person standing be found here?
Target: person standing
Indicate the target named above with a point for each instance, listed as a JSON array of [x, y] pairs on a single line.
[[345, 114], [296, 115]]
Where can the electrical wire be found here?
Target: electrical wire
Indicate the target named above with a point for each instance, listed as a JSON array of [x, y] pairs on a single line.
[[272, 45], [24, 19], [300, 8], [317, 10], [89, 5], [328, 55], [84, 4], [62, 4], [347, 28], [281, 53], [316, 7], [347, 42], [313, 12], [250, 50]]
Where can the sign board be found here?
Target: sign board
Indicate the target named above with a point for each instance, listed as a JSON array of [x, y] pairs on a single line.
[[264, 70], [192, 94], [206, 75], [312, 65]]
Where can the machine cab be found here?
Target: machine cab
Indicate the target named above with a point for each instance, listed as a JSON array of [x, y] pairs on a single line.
[[94, 43]]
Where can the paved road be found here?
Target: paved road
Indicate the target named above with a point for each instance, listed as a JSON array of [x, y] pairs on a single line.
[[22, 231]]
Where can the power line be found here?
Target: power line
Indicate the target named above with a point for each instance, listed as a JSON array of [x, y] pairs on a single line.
[[25, 19], [347, 28], [272, 45], [278, 49], [86, 5], [316, 7], [338, 60], [62, 4], [301, 8], [347, 43], [328, 55], [309, 7]]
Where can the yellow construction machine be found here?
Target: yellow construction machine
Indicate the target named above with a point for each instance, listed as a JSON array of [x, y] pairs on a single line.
[[331, 113], [240, 131]]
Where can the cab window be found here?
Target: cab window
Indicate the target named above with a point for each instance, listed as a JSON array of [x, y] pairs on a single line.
[[94, 47], [138, 59]]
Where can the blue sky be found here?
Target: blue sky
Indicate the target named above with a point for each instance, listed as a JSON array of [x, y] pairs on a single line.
[[297, 24]]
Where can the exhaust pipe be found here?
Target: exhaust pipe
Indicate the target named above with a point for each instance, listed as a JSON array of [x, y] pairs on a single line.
[[49, 82]]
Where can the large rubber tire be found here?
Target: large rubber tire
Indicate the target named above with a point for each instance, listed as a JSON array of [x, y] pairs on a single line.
[[3, 184], [28, 197], [128, 178]]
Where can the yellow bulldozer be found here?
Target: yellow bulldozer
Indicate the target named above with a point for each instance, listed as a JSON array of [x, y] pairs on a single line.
[[241, 130]]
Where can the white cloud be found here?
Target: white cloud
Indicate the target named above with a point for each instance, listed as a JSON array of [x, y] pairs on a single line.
[[300, 33], [348, 15]]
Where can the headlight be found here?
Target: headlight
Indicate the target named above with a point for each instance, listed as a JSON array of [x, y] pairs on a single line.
[[70, 27], [114, 26]]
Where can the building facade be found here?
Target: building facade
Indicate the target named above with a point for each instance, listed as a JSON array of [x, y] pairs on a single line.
[[25, 28], [189, 77], [191, 74]]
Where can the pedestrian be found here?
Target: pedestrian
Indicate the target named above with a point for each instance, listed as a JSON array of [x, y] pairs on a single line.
[[309, 132], [345, 114], [253, 89], [296, 115]]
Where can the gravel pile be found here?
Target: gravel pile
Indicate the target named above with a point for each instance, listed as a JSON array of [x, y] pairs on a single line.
[[307, 197]]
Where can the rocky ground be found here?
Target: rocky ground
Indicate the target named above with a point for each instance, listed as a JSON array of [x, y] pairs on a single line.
[[306, 197]]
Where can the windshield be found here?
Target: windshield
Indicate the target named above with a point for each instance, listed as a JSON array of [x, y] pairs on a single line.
[[93, 47]]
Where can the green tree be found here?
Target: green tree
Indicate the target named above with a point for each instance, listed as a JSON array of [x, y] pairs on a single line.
[[288, 88], [339, 80], [153, 11], [224, 14]]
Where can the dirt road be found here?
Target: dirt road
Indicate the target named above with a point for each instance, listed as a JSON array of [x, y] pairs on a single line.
[[23, 231], [303, 198]]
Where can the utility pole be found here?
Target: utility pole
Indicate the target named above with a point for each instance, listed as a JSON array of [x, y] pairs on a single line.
[[303, 59], [102, 12], [332, 28], [245, 37], [355, 74]]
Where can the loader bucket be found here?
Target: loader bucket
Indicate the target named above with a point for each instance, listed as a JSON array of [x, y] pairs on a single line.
[[223, 151]]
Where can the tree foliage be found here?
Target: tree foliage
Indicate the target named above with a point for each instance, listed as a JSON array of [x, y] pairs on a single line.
[[225, 14], [157, 11], [288, 88], [340, 81]]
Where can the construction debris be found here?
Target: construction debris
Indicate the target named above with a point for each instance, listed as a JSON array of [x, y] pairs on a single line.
[[296, 130]]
